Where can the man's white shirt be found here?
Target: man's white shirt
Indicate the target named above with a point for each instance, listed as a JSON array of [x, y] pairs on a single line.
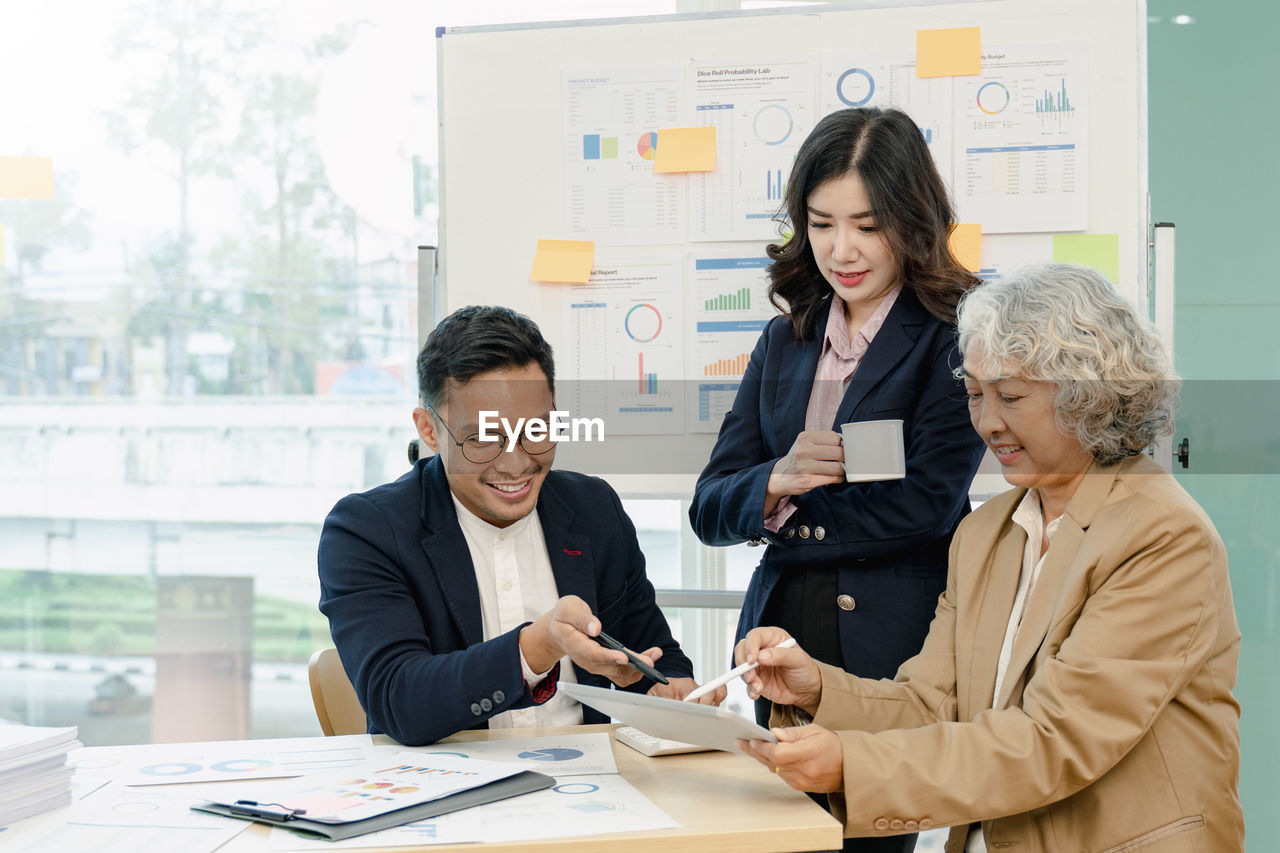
[[513, 573]]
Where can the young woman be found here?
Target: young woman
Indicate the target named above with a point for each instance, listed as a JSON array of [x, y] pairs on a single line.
[[869, 287]]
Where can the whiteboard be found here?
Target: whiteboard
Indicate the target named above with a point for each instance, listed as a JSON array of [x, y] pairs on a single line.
[[509, 155]]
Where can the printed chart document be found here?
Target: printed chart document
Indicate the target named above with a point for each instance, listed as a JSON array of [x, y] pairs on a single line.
[[611, 121], [378, 794], [166, 764], [762, 110], [1022, 134], [870, 78], [624, 345], [556, 756], [728, 306], [579, 805]]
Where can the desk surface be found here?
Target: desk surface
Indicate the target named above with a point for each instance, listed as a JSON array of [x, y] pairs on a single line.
[[723, 802]]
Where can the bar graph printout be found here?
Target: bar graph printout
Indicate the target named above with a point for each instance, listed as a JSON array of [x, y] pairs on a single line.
[[1022, 136], [729, 306], [611, 121]]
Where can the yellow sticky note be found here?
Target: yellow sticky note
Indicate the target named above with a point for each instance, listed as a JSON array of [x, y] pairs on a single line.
[[1100, 251], [563, 261], [26, 177], [966, 245], [949, 53], [685, 149]]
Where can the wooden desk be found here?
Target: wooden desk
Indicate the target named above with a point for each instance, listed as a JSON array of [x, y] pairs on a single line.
[[723, 802]]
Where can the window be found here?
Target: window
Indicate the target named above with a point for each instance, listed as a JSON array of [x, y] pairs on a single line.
[[207, 336]]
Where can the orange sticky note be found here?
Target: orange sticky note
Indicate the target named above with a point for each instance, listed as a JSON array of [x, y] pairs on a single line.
[[685, 149], [949, 53], [563, 261], [966, 245], [26, 177]]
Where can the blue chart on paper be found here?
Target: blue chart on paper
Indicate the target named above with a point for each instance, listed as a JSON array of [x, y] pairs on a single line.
[[555, 753], [176, 768]]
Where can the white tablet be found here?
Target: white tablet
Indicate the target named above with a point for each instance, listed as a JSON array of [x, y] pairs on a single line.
[[705, 725]]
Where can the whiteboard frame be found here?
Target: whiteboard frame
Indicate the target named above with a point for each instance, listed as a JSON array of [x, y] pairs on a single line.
[[477, 200]]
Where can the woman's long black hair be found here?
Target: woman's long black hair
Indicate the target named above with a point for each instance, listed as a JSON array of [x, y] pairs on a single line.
[[887, 151]]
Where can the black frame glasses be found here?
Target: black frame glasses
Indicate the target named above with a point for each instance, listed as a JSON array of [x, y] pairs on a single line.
[[478, 452]]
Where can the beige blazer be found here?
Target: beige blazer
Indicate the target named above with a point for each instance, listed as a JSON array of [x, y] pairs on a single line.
[[1115, 729]]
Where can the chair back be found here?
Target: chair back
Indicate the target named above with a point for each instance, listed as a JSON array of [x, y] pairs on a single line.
[[337, 707]]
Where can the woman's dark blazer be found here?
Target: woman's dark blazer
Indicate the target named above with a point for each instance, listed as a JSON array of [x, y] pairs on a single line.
[[887, 539]]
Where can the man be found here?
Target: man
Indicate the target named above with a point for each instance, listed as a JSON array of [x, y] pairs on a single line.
[[461, 594]]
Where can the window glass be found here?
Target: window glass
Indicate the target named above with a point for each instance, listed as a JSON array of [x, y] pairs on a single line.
[[207, 337]]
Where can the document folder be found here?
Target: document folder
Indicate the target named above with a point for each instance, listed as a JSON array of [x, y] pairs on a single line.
[[512, 786]]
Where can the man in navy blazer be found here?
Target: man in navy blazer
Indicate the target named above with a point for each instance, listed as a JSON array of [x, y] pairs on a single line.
[[469, 587], [888, 539]]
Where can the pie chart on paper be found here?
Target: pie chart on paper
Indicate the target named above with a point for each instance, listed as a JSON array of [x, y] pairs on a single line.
[[555, 753], [647, 146]]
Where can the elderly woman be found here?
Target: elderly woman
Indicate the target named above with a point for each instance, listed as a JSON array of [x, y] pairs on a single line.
[[1074, 690]]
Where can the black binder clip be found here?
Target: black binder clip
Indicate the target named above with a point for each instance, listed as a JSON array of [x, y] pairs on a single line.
[[252, 808]]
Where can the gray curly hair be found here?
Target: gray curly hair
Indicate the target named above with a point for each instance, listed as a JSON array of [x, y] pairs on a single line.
[[1066, 324]]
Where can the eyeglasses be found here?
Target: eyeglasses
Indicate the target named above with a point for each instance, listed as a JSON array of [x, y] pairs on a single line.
[[478, 450]]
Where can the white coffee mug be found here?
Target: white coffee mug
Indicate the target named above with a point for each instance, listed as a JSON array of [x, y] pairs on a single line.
[[873, 450]]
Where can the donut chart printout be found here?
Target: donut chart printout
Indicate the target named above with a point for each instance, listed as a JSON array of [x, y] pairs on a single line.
[[166, 764], [556, 756]]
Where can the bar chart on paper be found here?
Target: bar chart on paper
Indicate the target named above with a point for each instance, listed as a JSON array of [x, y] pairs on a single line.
[[761, 111], [610, 120], [1021, 133], [729, 307], [647, 382]]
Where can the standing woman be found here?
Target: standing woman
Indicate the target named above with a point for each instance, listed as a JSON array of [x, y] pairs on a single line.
[[869, 287]]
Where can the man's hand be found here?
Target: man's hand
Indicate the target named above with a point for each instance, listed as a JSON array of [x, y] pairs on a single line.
[[784, 676], [816, 458], [808, 758], [569, 629], [678, 688]]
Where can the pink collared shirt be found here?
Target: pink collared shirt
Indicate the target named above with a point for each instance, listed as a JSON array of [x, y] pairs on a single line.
[[836, 365]]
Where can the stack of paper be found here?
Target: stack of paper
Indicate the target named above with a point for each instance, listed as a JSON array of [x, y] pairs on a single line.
[[34, 774]]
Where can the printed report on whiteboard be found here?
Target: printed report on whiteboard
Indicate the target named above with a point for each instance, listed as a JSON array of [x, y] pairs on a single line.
[[1022, 133], [761, 111]]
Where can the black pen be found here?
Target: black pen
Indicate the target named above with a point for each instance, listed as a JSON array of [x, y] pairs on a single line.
[[610, 643]]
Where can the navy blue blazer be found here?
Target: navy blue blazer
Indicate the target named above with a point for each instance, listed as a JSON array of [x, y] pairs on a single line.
[[888, 539], [399, 588]]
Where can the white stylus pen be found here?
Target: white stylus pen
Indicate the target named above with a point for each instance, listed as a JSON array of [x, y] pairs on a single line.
[[734, 673]]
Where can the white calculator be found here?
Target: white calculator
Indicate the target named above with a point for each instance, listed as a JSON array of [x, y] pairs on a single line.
[[650, 745]]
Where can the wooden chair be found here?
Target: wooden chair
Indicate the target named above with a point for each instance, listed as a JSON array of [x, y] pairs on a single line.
[[337, 707]]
